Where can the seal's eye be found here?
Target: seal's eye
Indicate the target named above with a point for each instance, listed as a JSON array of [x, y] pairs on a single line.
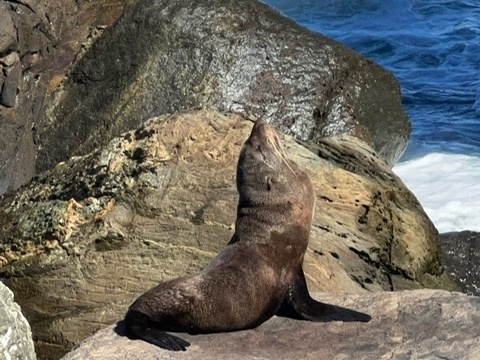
[[259, 149]]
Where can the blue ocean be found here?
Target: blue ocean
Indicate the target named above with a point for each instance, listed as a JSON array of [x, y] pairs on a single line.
[[433, 48]]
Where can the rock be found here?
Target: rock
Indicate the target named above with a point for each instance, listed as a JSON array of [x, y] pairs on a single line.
[[83, 240], [8, 34], [49, 37], [15, 334], [421, 324], [240, 56], [9, 74], [461, 256], [12, 73], [176, 55], [9, 60]]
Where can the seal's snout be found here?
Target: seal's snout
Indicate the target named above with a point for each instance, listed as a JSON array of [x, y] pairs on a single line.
[[264, 131], [264, 139], [259, 127]]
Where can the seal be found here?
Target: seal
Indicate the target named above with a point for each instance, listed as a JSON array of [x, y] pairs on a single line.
[[259, 273]]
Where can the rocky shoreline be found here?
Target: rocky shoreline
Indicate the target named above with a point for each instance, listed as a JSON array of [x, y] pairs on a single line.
[[160, 201]]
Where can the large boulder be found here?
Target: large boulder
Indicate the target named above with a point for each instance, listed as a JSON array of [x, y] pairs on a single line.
[[241, 56], [86, 238], [15, 335], [420, 324], [39, 42]]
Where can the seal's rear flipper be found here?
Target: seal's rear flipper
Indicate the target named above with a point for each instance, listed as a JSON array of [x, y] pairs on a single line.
[[300, 304], [139, 326]]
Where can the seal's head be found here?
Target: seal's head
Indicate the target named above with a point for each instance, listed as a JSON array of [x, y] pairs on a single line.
[[267, 179]]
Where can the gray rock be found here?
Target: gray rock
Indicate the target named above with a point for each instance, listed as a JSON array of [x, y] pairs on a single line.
[[12, 72], [48, 36], [421, 324], [83, 240], [10, 59], [8, 34], [15, 335], [240, 56], [461, 256], [8, 77]]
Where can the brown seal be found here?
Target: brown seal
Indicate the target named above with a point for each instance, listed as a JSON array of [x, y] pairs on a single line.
[[259, 273]]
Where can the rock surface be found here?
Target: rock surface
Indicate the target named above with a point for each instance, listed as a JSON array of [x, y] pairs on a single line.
[[461, 255], [420, 324], [39, 42], [241, 56], [15, 335], [86, 238]]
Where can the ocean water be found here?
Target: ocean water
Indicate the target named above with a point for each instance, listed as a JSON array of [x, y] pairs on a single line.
[[447, 186], [433, 48]]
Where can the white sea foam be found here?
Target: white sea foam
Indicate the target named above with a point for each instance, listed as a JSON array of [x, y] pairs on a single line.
[[448, 187]]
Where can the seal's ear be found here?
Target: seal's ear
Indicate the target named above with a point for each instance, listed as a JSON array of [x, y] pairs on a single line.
[[271, 181]]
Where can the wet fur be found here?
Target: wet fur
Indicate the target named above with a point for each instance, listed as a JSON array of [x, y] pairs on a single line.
[[259, 273]]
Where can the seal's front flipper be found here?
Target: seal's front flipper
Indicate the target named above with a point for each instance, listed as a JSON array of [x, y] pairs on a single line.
[[140, 327], [299, 303]]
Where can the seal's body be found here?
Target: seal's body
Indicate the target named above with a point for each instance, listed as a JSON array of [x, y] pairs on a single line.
[[259, 273]]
